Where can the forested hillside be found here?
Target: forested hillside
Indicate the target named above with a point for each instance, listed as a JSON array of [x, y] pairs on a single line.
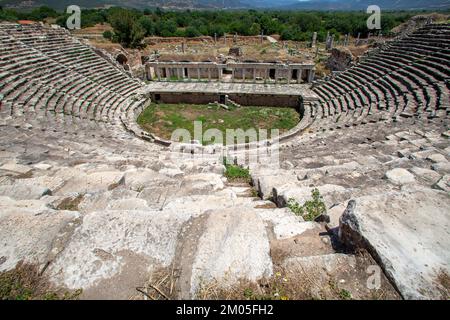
[[131, 24]]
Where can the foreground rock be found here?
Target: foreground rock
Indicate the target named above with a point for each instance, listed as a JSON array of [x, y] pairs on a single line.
[[408, 233], [234, 245], [117, 249], [32, 233]]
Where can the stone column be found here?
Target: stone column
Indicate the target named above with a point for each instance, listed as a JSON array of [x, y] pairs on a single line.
[[299, 75], [289, 75], [220, 71], [233, 71], [189, 73], [158, 73], [254, 74], [266, 74], [215, 38], [276, 75], [209, 74], [346, 40], [198, 74], [225, 39], [357, 39], [167, 74], [310, 76], [314, 40]]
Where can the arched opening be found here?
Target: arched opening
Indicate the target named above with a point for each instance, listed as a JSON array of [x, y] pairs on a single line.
[[121, 59]]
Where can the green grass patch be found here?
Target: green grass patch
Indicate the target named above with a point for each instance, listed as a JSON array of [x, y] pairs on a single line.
[[163, 119], [25, 282], [235, 173]]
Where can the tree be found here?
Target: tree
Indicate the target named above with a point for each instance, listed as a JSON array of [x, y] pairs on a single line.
[[42, 13], [128, 31], [192, 32], [108, 35], [137, 34], [166, 28], [255, 29], [148, 25]]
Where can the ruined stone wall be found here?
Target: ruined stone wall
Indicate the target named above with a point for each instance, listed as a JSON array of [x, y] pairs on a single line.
[[242, 99], [265, 100]]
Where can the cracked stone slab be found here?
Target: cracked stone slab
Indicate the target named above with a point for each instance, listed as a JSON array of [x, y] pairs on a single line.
[[408, 231], [31, 234], [233, 245], [98, 248]]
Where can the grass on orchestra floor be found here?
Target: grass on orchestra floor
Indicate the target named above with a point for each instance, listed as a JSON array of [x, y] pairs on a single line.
[[162, 119]]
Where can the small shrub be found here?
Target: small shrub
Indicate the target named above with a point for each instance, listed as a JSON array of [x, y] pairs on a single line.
[[345, 295], [311, 209]]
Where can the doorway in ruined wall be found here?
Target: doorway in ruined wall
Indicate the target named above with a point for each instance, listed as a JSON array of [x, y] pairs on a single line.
[[294, 75], [272, 74], [305, 75]]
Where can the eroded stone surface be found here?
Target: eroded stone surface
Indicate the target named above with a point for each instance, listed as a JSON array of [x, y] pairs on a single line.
[[234, 244], [400, 176], [408, 231]]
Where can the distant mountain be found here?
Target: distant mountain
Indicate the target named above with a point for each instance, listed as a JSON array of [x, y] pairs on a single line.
[[236, 4], [363, 4], [139, 4]]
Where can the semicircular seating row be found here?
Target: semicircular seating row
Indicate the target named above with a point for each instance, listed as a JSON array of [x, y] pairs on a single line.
[[48, 76], [405, 78]]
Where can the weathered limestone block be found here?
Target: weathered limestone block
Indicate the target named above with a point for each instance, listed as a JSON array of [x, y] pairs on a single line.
[[407, 232], [444, 183], [172, 172], [234, 245], [441, 167], [399, 176], [93, 182], [436, 158], [31, 234], [128, 204], [107, 244], [138, 179], [331, 193], [202, 183], [266, 182], [426, 174], [23, 189], [16, 169]]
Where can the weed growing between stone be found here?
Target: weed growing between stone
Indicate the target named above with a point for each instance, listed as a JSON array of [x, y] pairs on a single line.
[[311, 209]]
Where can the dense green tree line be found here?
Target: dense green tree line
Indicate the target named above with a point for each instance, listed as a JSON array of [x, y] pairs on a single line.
[[130, 26]]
